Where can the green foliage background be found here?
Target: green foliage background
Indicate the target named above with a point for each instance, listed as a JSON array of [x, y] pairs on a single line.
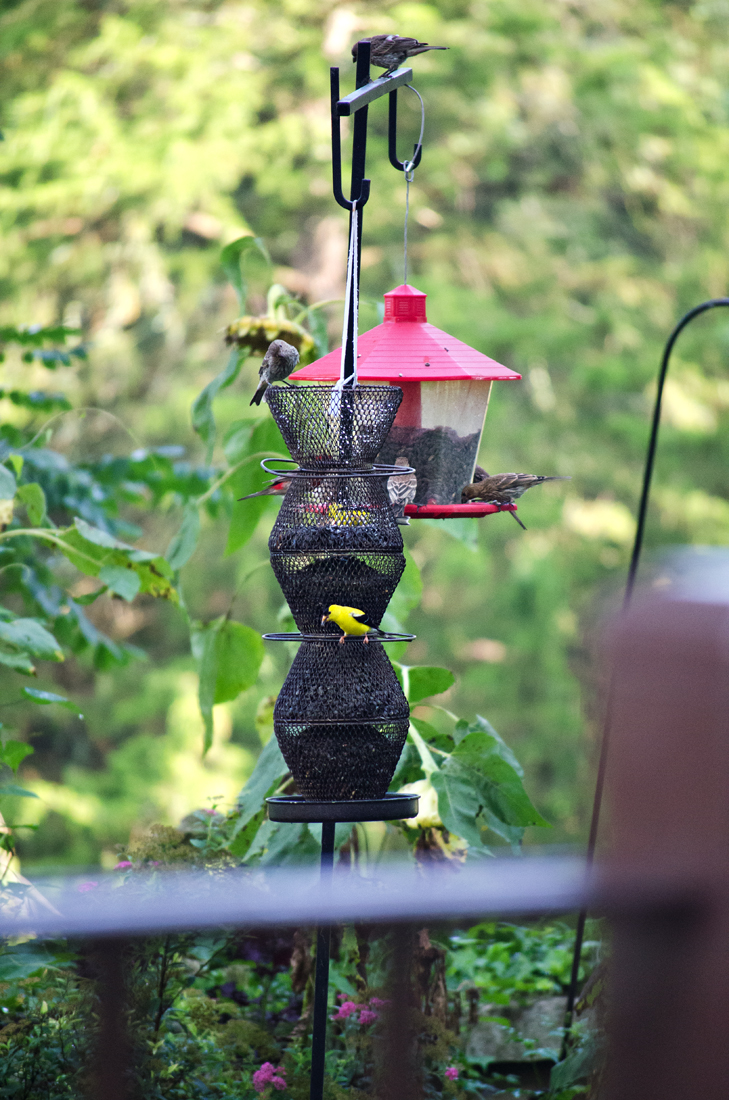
[[571, 204]]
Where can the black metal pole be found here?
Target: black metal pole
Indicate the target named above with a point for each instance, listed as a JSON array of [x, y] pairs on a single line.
[[321, 977], [650, 460]]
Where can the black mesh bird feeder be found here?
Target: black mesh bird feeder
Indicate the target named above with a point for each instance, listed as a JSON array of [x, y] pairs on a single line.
[[341, 718]]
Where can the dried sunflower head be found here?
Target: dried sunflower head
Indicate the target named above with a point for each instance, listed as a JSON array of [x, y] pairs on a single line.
[[256, 333]]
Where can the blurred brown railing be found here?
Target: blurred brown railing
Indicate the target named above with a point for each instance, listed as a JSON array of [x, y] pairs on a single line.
[[664, 885]]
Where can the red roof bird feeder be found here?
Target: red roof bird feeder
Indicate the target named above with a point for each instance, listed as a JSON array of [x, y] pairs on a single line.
[[446, 387]]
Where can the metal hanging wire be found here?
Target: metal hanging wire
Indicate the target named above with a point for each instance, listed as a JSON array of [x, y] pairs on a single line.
[[409, 167], [712, 303]]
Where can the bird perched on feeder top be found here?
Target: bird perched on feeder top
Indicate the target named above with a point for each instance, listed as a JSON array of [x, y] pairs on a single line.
[[401, 489], [502, 488], [350, 620], [278, 488], [278, 362], [388, 51]]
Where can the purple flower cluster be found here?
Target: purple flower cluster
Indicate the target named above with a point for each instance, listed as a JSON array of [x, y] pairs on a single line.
[[452, 1073], [269, 1075], [367, 1013]]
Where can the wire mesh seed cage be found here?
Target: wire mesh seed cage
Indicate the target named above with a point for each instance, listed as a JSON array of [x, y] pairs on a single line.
[[341, 717], [323, 427]]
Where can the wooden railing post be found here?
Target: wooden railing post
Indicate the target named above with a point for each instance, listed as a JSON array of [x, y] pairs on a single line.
[[669, 788]]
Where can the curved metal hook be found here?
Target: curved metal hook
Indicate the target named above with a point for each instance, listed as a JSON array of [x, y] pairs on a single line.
[[712, 303], [364, 193], [653, 441], [392, 139]]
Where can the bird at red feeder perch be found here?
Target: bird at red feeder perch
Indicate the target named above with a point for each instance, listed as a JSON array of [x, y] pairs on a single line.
[[446, 388]]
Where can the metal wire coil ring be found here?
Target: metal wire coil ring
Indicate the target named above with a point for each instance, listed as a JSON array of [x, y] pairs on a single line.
[[297, 637], [322, 472]]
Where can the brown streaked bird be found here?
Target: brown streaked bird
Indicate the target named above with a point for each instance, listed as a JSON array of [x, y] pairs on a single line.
[[388, 51], [278, 362], [401, 489], [277, 488], [502, 488]]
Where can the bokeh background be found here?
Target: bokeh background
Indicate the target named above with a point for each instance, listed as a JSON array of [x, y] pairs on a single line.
[[570, 205]]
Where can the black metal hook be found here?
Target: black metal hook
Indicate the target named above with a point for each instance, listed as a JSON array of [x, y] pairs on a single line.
[[364, 191], [712, 303], [392, 139]]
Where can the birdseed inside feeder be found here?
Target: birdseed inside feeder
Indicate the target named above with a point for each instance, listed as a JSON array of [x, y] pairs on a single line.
[[446, 388]]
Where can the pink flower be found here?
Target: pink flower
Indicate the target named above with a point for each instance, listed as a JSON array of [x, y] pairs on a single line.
[[269, 1075], [210, 813], [367, 1016], [345, 1010], [84, 887], [123, 865], [452, 1073], [377, 1002]]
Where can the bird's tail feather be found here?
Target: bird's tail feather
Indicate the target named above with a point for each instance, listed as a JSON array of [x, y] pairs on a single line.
[[517, 519], [261, 492], [258, 395]]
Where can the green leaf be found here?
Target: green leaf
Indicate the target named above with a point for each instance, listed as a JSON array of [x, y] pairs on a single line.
[[478, 760], [32, 497], [501, 747], [237, 439], [92, 550], [29, 636], [265, 778], [203, 420], [465, 529], [230, 261], [8, 485], [407, 595], [124, 581], [21, 662], [458, 805], [16, 792], [244, 836], [231, 656], [45, 698], [264, 438], [182, 546], [281, 844], [13, 753], [433, 736], [239, 652], [16, 461], [23, 960], [425, 680], [90, 597]]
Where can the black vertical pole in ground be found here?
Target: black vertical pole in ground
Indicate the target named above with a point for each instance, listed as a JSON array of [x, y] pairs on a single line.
[[321, 979]]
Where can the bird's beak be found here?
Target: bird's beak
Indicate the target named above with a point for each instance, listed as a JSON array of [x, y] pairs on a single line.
[[324, 619]]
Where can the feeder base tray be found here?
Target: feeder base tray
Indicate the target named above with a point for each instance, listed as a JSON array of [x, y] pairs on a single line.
[[455, 511], [390, 807]]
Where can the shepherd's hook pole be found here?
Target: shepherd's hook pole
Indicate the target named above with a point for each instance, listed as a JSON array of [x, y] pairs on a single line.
[[712, 303], [321, 980]]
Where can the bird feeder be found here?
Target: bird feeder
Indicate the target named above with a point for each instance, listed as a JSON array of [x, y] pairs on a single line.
[[446, 388]]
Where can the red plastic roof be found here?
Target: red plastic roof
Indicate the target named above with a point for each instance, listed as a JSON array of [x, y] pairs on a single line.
[[405, 346]]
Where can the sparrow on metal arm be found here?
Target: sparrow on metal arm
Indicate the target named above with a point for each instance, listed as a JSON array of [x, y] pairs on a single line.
[[502, 488], [388, 51]]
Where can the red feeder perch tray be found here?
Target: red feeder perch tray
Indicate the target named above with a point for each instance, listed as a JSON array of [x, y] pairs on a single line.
[[446, 388]]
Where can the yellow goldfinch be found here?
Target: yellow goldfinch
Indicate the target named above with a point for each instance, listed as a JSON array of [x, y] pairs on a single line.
[[350, 620], [346, 517]]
